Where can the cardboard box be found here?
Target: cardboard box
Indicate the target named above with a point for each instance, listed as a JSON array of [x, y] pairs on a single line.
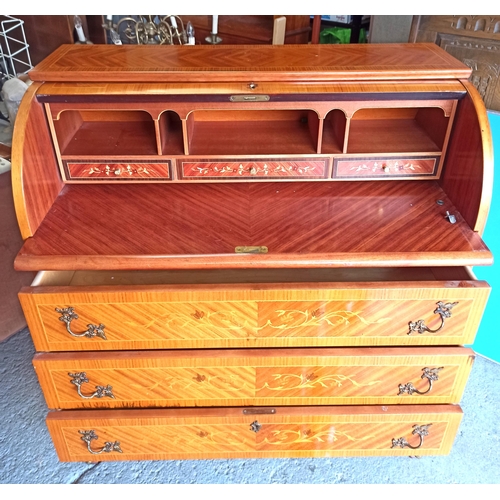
[[337, 19]]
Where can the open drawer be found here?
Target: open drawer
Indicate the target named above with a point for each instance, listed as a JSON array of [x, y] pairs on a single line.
[[110, 435], [71, 311]]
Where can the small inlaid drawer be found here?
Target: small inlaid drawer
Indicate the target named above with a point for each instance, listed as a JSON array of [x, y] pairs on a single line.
[[256, 169], [118, 171], [239, 377], [385, 168], [205, 433]]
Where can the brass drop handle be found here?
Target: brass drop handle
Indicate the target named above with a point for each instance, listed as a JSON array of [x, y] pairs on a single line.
[[89, 436], [81, 378], [431, 374], [68, 315], [418, 430], [444, 311]]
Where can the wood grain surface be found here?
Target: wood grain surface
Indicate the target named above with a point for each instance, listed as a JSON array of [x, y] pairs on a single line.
[[35, 178], [136, 63], [263, 377], [302, 224], [352, 90], [468, 172], [227, 433], [279, 125], [253, 314]]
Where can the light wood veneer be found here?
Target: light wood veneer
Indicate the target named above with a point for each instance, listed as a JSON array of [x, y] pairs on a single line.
[[140, 313], [227, 433], [254, 377]]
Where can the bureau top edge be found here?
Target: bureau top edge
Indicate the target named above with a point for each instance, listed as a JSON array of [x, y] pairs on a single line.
[[265, 63]]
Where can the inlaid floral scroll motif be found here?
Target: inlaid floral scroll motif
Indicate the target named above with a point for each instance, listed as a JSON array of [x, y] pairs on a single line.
[[316, 317]]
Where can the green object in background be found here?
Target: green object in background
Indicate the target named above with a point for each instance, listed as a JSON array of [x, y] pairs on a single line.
[[340, 35]]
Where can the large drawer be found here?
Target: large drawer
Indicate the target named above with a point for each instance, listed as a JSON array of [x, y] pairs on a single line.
[[241, 377], [109, 435], [253, 308]]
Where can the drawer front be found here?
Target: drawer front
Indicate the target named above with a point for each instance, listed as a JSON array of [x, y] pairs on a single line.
[[248, 433], [385, 168], [254, 377], [255, 169], [117, 171], [224, 316]]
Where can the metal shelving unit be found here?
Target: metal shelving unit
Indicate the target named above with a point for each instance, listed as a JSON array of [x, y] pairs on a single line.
[[14, 50]]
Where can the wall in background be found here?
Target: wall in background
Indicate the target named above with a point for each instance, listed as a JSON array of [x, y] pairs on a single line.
[[474, 40], [390, 29], [487, 340]]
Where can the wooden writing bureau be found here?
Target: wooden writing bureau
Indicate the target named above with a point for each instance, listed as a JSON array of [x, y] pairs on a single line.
[[252, 251]]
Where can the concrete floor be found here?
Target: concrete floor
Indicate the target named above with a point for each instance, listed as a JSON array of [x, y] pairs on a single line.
[[27, 455]]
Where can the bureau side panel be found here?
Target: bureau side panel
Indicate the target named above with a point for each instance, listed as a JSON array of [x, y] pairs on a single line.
[[468, 172], [35, 177]]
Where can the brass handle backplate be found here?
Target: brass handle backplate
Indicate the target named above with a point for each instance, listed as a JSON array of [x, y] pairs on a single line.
[[259, 411], [249, 97], [251, 249], [68, 315], [431, 374], [444, 311], [418, 430], [81, 378], [89, 436]]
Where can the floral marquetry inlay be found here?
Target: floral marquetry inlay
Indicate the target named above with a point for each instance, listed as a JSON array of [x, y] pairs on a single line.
[[262, 169], [396, 167], [287, 381], [225, 320], [257, 169], [118, 170], [309, 435], [365, 167], [316, 317], [301, 436]]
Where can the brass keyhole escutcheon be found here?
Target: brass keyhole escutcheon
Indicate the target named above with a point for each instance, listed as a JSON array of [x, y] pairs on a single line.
[[251, 249]]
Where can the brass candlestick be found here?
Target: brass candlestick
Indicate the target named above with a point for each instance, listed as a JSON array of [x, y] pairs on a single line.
[[214, 39]]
